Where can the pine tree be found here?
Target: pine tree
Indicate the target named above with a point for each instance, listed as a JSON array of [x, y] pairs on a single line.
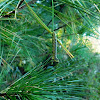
[[45, 53]]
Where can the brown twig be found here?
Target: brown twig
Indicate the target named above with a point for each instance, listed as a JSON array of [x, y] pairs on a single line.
[[3, 94], [61, 26], [20, 3]]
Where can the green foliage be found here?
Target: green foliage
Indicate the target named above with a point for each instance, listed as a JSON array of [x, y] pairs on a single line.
[[26, 42]]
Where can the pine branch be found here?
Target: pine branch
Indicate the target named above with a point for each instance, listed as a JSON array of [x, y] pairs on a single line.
[[19, 8]]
